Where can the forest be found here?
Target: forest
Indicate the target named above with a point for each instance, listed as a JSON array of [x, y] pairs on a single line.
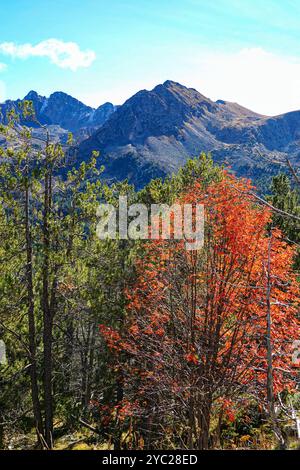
[[134, 344]]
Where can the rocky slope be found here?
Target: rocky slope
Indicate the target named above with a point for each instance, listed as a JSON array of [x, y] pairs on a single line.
[[154, 132]]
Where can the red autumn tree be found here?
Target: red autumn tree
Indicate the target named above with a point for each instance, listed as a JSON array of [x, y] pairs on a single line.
[[197, 329]]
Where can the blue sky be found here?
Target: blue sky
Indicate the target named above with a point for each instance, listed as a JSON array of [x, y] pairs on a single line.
[[246, 51]]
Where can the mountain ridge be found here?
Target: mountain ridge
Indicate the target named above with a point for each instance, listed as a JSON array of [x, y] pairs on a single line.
[[154, 132], [63, 110]]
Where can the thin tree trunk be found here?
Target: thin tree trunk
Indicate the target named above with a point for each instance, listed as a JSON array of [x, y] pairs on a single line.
[[47, 315], [84, 366], [270, 386], [204, 421], [119, 378], [90, 371], [68, 359], [31, 324]]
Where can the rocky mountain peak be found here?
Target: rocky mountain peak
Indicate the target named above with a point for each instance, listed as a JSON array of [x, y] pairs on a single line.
[[155, 131], [33, 96], [64, 111]]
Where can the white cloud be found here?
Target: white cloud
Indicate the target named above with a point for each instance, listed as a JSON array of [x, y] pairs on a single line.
[[255, 78], [2, 66], [66, 55]]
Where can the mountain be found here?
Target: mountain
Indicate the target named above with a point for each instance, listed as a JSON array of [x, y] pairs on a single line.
[[154, 132], [64, 113]]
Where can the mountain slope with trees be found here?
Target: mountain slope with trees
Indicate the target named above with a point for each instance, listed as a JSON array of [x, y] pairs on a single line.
[[134, 344]]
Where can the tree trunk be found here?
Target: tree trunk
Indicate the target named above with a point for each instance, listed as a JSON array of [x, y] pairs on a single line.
[[119, 397], [47, 316], [270, 387], [90, 371], [204, 424], [31, 325]]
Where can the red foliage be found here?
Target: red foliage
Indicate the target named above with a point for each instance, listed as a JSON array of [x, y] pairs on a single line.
[[198, 318]]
